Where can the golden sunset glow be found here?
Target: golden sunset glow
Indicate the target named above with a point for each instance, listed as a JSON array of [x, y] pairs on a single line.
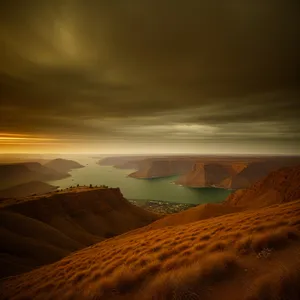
[[22, 139]]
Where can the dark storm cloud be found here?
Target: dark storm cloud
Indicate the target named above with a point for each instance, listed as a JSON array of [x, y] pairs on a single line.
[[281, 106], [99, 68]]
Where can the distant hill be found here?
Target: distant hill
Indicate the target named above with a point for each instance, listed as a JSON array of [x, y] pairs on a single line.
[[40, 230], [18, 173], [63, 165], [27, 189]]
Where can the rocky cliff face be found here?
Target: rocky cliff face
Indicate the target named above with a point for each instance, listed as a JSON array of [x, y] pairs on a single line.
[[231, 175], [195, 177], [40, 230], [279, 186], [211, 174], [154, 168]]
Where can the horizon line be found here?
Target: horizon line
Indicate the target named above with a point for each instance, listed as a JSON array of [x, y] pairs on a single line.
[[156, 153]]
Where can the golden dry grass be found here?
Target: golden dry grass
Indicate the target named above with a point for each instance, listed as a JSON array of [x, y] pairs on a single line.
[[235, 256]]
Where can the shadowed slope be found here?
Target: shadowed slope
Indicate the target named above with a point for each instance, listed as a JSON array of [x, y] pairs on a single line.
[[27, 189], [229, 257], [18, 173], [282, 185], [27, 243], [52, 226]]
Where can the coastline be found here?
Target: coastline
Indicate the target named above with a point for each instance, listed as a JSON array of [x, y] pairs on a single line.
[[203, 187], [153, 177], [161, 207]]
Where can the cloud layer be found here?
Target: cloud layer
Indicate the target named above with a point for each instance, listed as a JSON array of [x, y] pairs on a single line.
[[166, 72]]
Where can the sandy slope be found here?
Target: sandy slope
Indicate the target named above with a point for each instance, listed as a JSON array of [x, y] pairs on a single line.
[[227, 257]]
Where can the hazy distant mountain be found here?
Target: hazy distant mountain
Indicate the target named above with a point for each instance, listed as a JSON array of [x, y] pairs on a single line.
[[63, 165], [14, 174], [27, 189]]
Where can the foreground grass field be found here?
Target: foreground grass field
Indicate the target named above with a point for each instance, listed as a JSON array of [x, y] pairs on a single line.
[[249, 255]]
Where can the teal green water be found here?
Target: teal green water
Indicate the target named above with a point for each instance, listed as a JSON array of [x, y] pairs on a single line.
[[155, 189]]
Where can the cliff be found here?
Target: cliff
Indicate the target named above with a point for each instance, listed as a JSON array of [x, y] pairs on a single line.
[[40, 230], [211, 174], [279, 186], [162, 167], [27, 189], [234, 174], [63, 165], [195, 171]]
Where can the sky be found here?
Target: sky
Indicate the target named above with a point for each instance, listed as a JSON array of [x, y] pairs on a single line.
[[150, 76]]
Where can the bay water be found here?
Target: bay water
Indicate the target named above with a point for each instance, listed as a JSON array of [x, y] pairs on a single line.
[[162, 189]]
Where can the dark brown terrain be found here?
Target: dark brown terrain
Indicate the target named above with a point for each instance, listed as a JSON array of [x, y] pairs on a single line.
[[245, 248], [18, 173], [27, 189], [42, 229], [279, 186]]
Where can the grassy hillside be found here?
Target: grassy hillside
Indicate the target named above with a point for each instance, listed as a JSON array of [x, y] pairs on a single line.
[[43, 229], [237, 256]]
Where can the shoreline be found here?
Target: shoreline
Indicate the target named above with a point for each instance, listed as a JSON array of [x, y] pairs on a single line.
[[161, 207], [154, 177]]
